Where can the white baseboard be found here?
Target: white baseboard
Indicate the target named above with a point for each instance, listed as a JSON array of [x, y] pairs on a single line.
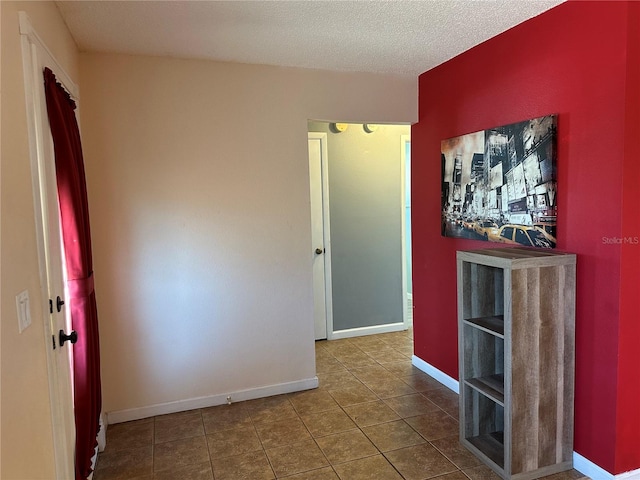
[[580, 463], [593, 471], [360, 331], [432, 371], [120, 416]]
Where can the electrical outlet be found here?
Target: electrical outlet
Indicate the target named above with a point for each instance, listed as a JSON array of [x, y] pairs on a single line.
[[24, 311]]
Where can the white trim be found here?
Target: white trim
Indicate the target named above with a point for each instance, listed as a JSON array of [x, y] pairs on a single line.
[[371, 330], [27, 30], [120, 416], [593, 471], [404, 139], [433, 372], [326, 227]]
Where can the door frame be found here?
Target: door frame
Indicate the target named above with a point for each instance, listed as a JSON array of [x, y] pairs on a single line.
[[326, 226], [34, 54], [404, 139]]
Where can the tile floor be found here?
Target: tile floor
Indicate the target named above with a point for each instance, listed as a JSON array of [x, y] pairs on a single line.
[[374, 417]]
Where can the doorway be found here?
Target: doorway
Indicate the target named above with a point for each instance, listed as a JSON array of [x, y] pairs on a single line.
[[364, 177]]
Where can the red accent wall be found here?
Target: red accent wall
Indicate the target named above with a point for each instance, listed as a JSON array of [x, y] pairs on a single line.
[[580, 61], [628, 410]]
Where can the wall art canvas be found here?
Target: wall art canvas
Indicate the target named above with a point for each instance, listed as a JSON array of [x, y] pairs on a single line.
[[499, 184]]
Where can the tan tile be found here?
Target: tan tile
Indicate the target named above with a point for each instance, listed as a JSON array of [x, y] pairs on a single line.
[[481, 472], [327, 423], [446, 399], [271, 409], [392, 435], [185, 451], [355, 360], [566, 475], [451, 448], [342, 346], [369, 468], [325, 473], [336, 380], [313, 401], [234, 441], [406, 350], [370, 345], [371, 413], [143, 477], [402, 368], [410, 405], [284, 432], [224, 417], [353, 395], [420, 462], [371, 373], [346, 446], [322, 352], [200, 471], [296, 458], [434, 425], [125, 436], [324, 365], [397, 339], [387, 355], [178, 425], [249, 466], [389, 387], [421, 382], [125, 464], [452, 476]]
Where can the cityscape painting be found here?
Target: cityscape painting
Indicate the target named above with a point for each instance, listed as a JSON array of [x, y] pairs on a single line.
[[499, 185]]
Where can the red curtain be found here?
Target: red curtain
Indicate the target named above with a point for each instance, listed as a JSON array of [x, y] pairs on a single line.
[[74, 215]]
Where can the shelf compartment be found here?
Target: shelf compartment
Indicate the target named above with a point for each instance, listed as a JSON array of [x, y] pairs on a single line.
[[484, 428], [483, 290], [482, 354], [491, 445], [493, 324], [491, 386]]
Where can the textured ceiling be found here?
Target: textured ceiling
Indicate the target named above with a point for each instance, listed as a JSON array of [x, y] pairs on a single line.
[[394, 36]]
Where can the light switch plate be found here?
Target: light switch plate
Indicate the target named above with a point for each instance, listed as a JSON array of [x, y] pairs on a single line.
[[24, 311]]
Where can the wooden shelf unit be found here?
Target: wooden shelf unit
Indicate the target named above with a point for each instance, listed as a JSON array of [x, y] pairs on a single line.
[[516, 317]]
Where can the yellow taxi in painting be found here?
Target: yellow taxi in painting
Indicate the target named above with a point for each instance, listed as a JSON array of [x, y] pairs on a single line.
[[521, 235]]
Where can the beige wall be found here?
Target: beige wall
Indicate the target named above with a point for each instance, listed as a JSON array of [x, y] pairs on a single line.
[[198, 188], [27, 450]]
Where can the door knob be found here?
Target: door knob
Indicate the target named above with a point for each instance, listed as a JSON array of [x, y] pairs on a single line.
[[72, 337], [319, 251], [59, 303]]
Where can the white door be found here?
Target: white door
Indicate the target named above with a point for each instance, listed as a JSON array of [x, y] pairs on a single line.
[[35, 57], [320, 238]]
